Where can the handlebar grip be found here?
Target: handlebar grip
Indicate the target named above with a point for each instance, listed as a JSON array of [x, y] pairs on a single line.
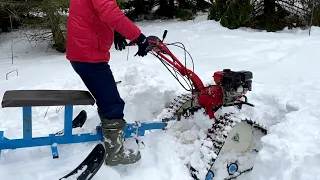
[[152, 38], [149, 38]]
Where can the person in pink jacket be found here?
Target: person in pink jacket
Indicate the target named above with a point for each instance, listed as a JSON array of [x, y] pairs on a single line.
[[93, 26]]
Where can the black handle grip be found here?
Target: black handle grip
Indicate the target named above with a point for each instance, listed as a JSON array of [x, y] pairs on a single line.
[[164, 34]]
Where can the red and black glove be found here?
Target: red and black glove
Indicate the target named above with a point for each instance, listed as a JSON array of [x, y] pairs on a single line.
[[142, 43]]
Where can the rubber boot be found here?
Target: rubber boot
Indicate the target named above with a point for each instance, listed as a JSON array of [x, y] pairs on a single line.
[[113, 132]]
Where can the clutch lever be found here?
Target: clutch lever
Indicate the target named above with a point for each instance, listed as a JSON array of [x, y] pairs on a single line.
[[131, 44]]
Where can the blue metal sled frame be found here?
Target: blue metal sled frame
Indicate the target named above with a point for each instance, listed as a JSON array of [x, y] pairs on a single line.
[[131, 130]]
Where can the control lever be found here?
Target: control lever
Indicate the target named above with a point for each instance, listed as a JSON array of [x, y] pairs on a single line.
[[164, 35]]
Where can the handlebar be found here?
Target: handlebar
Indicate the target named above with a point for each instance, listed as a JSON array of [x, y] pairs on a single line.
[[152, 39], [154, 42]]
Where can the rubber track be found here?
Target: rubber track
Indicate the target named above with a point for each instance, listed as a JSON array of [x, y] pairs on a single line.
[[217, 134]]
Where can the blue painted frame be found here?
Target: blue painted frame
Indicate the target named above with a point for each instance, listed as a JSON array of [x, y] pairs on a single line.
[[131, 130]]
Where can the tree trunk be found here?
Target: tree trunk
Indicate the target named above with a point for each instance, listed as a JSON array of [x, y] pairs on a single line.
[[58, 37], [57, 33]]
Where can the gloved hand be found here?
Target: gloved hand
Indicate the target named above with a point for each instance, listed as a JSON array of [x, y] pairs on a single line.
[[119, 41], [142, 43]]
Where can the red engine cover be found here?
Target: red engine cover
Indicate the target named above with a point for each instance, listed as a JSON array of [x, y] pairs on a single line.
[[218, 76], [211, 97]]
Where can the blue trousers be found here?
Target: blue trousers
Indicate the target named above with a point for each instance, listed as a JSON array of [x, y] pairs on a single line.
[[99, 80]]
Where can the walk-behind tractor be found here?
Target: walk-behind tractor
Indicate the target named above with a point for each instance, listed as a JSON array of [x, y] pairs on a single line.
[[230, 137]]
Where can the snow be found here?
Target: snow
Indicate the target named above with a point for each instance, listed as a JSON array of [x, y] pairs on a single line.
[[286, 89]]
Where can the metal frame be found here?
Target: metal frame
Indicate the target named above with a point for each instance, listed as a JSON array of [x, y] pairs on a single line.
[[67, 138]]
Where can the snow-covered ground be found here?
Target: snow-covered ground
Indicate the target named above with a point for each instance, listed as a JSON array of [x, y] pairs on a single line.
[[286, 92]]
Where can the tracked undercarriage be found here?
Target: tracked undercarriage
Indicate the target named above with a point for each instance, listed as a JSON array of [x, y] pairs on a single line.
[[233, 142]]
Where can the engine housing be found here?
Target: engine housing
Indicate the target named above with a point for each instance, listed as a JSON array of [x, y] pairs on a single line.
[[233, 83]]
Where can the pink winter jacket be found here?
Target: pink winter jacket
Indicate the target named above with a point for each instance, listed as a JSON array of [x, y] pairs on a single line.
[[90, 29]]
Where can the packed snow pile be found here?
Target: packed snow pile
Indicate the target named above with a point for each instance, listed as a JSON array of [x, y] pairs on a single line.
[[286, 95]]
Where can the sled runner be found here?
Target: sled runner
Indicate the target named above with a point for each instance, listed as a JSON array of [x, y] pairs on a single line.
[[228, 137], [90, 166]]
